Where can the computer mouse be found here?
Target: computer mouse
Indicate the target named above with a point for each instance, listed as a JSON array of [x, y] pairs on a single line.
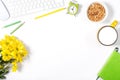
[[4, 13]]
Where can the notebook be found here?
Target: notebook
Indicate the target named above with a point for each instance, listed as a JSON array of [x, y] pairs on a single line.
[[22, 7], [111, 69]]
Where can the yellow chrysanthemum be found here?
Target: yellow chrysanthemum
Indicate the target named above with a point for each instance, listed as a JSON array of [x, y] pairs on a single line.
[[12, 48], [14, 66], [6, 57]]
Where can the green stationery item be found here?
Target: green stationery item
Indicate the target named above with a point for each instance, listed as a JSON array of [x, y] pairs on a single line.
[[111, 69], [17, 27], [12, 24]]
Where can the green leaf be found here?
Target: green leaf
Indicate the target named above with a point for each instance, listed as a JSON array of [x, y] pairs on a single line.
[[2, 77], [5, 72]]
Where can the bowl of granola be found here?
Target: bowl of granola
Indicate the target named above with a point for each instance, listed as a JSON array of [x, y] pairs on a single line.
[[96, 12]]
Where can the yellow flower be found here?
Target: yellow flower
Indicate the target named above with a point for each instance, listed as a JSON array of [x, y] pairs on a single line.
[[14, 66], [18, 57], [12, 49], [5, 55]]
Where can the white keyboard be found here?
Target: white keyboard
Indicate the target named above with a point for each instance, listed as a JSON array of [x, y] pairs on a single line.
[[21, 7]]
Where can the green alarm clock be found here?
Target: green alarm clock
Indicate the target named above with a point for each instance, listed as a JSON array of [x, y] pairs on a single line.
[[73, 8]]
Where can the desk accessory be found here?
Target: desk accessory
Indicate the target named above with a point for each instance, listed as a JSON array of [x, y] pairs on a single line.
[[111, 69], [4, 14], [17, 8], [14, 23], [17, 27], [49, 13], [73, 8], [108, 35]]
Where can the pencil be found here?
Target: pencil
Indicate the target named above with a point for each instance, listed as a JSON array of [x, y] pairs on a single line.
[[17, 28], [60, 9], [11, 24]]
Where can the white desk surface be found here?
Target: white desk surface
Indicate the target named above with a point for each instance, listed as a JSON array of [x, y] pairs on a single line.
[[63, 47]]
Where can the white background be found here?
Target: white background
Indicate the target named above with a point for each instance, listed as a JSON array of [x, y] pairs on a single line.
[[63, 47]]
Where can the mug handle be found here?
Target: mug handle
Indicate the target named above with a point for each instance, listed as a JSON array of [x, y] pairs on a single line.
[[114, 23]]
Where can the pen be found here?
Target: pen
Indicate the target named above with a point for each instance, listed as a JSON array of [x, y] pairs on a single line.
[[17, 28], [12, 24], [60, 9]]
